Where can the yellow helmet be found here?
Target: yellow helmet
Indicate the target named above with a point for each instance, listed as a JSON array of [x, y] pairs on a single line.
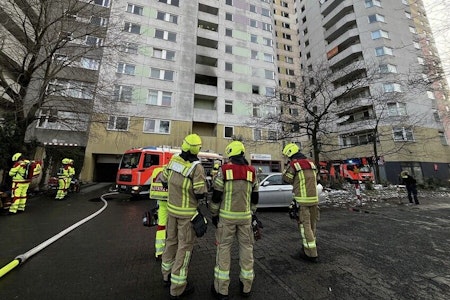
[[65, 161], [290, 149], [404, 174], [234, 148], [16, 156], [192, 143]]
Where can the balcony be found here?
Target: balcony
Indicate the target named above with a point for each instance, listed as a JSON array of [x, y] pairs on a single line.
[[333, 6], [349, 23], [205, 115], [349, 53], [345, 38], [205, 89]]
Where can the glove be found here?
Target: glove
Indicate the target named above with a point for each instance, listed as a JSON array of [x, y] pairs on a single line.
[[215, 220], [293, 210], [256, 226]]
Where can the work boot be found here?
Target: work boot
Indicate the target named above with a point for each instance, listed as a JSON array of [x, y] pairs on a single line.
[[189, 289], [217, 295], [303, 256], [166, 283], [241, 288]]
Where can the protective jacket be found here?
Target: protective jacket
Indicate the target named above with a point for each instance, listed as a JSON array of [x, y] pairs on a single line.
[[186, 181], [305, 184], [18, 171], [157, 189]]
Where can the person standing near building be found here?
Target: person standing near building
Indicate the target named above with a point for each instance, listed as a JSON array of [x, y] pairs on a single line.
[[159, 193], [71, 171], [186, 181], [63, 179], [235, 196], [19, 183], [302, 174], [411, 186]]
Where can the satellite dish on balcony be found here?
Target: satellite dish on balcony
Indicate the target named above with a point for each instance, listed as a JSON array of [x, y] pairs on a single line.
[[342, 119]]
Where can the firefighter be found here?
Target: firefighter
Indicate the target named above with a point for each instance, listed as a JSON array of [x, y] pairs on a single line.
[[19, 183], [71, 170], [186, 181], [302, 174], [234, 200], [159, 192], [63, 179], [411, 186]]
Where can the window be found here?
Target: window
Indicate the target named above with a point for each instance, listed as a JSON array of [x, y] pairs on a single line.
[[62, 120], [228, 17], [293, 112], [270, 92], [165, 35], [160, 98], [265, 12], [256, 110], [229, 2], [257, 136], [171, 2], [255, 89], [253, 23], [356, 138], [99, 21], [442, 138], [376, 18], [130, 48], [290, 72], [430, 95], [287, 36], [380, 51], [118, 123], [93, 41], [228, 66], [161, 74], [123, 93], [269, 74], [405, 2], [370, 3], [252, 8], [416, 45], [267, 42], [167, 17], [253, 38], [421, 61], [73, 89], [388, 68], [228, 106], [132, 28], [163, 54], [267, 27], [379, 34], [134, 9], [229, 49], [285, 25], [124, 68], [285, 14], [412, 29], [228, 85], [228, 132], [396, 109], [391, 87], [89, 63], [408, 15], [156, 126], [104, 3], [289, 60], [229, 32], [306, 43], [287, 48], [403, 134], [268, 57]]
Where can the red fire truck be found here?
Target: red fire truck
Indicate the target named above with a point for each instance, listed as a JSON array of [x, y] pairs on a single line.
[[137, 165]]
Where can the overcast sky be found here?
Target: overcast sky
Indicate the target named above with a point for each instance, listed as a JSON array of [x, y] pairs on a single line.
[[438, 14]]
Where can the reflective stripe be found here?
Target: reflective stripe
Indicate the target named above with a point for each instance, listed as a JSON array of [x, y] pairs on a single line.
[[182, 277], [307, 200], [221, 275], [166, 266], [250, 176], [247, 274], [181, 211], [160, 241], [241, 215], [306, 244]]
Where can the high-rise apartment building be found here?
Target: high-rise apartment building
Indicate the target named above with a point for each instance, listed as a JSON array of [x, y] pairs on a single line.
[[189, 66], [387, 47]]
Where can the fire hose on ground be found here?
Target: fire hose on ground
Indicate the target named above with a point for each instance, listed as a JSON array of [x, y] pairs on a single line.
[[20, 259]]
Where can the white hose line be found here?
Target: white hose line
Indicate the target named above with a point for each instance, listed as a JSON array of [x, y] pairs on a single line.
[[20, 259]]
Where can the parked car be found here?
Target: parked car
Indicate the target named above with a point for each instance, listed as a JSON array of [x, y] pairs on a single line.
[[273, 192]]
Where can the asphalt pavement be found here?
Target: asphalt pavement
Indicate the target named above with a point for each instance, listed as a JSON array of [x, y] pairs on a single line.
[[383, 251]]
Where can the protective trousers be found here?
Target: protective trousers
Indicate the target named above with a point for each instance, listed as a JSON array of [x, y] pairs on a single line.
[[308, 217], [160, 239], [225, 236], [177, 254], [62, 188], [19, 193]]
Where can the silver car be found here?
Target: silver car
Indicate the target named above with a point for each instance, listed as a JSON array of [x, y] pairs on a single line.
[[273, 192]]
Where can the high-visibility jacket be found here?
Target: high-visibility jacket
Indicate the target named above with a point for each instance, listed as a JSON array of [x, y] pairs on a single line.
[[157, 190], [237, 182], [302, 174], [63, 172], [18, 171], [185, 180]]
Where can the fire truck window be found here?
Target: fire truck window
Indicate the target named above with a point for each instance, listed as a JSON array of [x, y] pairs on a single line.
[[151, 160], [350, 167], [130, 161]]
